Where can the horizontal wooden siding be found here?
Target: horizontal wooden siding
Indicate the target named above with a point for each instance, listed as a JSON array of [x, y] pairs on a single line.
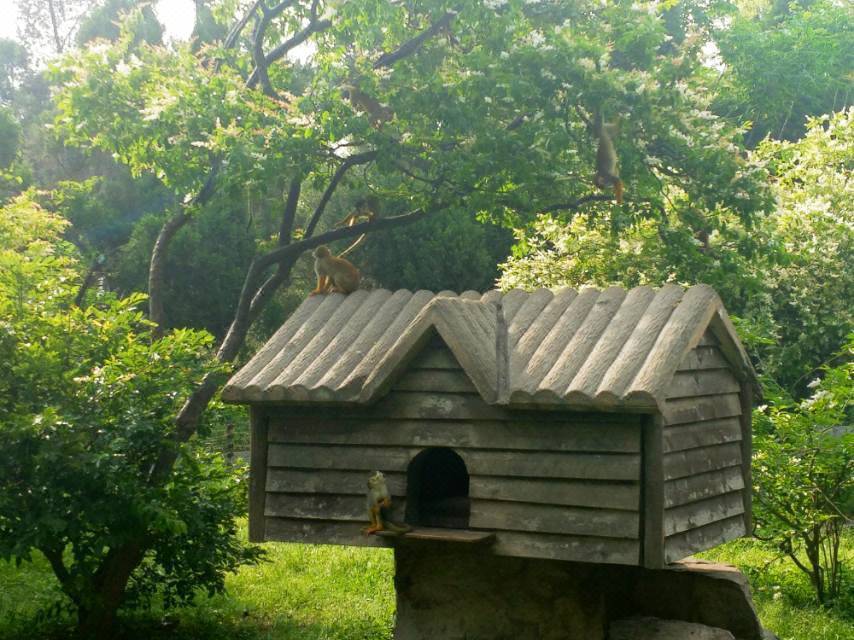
[[551, 485], [703, 455]]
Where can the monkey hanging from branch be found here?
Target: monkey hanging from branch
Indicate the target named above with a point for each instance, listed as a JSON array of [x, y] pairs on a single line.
[[607, 173]]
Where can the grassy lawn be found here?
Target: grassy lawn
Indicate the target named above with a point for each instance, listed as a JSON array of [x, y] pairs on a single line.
[[339, 593]]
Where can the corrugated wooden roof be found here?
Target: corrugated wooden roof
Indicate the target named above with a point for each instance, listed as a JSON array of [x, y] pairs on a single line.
[[606, 349]]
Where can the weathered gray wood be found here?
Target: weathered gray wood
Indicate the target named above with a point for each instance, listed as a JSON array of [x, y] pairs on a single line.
[[700, 358], [708, 339], [530, 311], [698, 514], [652, 496], [321, 532], [588, 435], [435, 356], [576, 351], [383, 341], [325, 507], [454, 536], [273, 346], [704, 485], [309, 351], [528, 371], [532, 337], [467, 327], [409, 404], [701, 434], [633, 355], [439, 381], [326, 481], [588, 466], [570, 548], [258, 477], [537, 518], [703, 408], [326, 351], [607, 495], [617, 332], [511, 302], [711, 535], [681, 333], [317, 507], [702, 383], [342, 458], [746, 398], [493, 296], [729, 344], [701, 460]]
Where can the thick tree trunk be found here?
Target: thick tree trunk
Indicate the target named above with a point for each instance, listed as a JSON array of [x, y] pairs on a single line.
[[96, 620], [157, 270]]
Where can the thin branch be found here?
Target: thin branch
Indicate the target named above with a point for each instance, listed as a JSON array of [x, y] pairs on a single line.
[[263, 61], [349, 162], [411, 46], [577, 204], [290, 212], [237, 29]]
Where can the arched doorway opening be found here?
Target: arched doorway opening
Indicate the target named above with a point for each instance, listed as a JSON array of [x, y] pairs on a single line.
[[438, 490]]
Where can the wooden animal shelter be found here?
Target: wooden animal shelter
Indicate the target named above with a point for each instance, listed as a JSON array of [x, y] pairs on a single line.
[[596, 426]]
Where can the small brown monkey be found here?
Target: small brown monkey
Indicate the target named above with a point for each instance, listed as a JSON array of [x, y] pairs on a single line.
[[377, 113], [334, 275], [379, 499], [606, 159]]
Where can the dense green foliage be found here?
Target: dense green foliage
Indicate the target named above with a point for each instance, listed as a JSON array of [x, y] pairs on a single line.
[[87, 404], [484, 119], [791, 61], [804, 474], [788, 276]]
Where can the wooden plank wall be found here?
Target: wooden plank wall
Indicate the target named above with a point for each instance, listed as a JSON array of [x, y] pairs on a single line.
[[549, 486], [704, 488]]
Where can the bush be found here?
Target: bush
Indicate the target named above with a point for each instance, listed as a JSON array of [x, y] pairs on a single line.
[[88, 399], [803, 472]]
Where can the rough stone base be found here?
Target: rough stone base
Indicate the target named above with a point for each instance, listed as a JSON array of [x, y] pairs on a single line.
[[445, 592], [655, 629]]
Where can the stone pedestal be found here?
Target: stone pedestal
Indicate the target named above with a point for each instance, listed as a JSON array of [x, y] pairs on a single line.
[[456, 592]]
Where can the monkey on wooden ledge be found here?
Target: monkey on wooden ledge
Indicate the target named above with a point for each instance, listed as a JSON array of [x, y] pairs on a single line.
[[379, 499]]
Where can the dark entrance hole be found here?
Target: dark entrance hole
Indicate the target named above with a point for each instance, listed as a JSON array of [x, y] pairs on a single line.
[[438, 490]]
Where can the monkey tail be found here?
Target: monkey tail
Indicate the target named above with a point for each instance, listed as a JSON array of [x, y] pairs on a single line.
[[618, 190]]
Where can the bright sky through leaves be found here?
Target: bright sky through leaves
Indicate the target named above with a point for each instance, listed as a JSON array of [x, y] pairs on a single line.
[[175, 15]]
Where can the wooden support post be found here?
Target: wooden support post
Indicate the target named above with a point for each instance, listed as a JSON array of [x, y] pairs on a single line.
[[652, 492], [746, 397], [257, 473], [229, 444]]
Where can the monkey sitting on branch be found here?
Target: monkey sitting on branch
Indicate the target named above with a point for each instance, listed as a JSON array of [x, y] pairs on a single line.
[[379, 499]]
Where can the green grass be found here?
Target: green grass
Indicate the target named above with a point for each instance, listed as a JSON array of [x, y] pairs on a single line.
[[783, 596], [339, 593]]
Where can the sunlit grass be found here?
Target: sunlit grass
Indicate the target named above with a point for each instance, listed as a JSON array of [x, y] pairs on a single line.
[[306, 592], [783, 596]]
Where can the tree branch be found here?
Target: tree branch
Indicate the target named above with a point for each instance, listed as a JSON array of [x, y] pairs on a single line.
[[411, 46], [237, 29], [262, 61], [349, 162], [290, 212], [576, 204]]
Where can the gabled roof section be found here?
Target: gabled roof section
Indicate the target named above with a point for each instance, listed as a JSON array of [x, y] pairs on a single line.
[[611, 349]]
